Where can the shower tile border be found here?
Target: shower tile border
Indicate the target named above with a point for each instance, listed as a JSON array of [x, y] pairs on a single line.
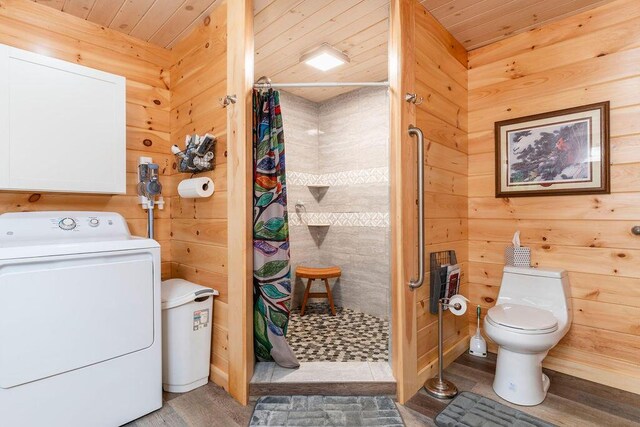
[[359, 176], [341, 219]]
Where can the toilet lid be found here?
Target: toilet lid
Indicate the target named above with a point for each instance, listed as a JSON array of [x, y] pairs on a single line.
[[523, 317]]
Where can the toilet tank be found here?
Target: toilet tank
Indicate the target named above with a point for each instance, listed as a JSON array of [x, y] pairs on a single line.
[[545, 288]]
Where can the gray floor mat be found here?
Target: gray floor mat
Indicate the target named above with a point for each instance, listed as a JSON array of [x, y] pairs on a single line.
[[471, 410], [326, 411]]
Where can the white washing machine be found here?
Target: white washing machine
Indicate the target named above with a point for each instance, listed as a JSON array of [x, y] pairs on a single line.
[[80, 337]]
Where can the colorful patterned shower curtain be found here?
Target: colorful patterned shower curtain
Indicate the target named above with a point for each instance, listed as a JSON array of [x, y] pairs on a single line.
[[271, 271]]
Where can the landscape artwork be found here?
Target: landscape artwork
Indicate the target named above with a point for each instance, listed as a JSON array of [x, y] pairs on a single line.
[[561, 152], [550, 154]]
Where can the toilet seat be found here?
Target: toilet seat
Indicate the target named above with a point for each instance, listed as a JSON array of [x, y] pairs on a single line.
[[522, 319]]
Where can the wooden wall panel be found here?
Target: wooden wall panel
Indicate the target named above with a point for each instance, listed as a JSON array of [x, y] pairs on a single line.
[[157, 117], [441, 79], [586, 58], [30, 26], [199, 239]]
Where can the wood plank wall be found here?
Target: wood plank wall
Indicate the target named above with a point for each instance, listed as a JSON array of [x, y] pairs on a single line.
[[583, 59], [199, 226], [441, 79], [34, 27]]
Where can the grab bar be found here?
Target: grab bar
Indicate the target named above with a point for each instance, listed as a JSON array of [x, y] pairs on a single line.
[[414, 131]]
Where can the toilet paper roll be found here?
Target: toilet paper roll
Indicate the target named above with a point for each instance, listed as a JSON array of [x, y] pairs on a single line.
[[195, 188], [458, 299]]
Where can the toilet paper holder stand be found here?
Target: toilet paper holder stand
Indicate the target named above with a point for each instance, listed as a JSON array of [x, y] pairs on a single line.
[[438, 386], [439, 277]]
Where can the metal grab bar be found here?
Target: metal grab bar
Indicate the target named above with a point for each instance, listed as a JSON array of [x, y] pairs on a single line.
[[414, 131]]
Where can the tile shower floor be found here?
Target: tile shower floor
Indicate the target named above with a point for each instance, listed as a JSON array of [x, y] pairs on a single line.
[[348, 336]]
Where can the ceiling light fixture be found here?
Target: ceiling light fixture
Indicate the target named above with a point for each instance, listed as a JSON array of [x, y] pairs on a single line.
[[325, 57]]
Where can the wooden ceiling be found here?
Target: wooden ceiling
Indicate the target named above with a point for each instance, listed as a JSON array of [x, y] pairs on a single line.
[[476, 23], [161, 22], [286, 29]]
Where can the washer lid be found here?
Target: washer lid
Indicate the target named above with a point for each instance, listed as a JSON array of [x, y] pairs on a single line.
[[38, 234], [523, 317], [176, 292]]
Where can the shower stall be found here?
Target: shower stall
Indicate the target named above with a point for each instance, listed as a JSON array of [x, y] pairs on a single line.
[[338, 211], [338, 191]]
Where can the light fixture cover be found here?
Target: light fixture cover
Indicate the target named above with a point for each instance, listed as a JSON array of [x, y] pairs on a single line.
[[325, 57]]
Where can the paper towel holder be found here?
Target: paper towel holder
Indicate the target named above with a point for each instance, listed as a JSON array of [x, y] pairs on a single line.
[[437, 386], [195, 188]]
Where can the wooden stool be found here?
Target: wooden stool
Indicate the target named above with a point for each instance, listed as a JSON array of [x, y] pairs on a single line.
[[312, 274]]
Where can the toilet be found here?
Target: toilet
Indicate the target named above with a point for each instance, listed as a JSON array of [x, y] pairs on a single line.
[[532, 314]]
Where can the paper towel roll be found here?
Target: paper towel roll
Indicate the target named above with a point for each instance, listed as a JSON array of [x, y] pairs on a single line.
[[195, 188], [458, 299]]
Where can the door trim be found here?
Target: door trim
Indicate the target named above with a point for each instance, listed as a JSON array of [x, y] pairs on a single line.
[[240, 50], [403, 198]]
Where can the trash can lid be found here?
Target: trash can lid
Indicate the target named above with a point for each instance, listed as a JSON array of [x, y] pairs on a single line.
[[177, 292]]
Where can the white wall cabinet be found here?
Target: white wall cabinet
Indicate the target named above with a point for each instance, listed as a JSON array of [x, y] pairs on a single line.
[[62, 126]]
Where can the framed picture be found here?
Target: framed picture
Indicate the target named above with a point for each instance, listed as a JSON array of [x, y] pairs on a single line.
[[562, 152]]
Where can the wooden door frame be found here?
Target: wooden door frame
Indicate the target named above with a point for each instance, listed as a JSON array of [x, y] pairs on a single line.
[[402, 174], [240, 51], [240, 63]]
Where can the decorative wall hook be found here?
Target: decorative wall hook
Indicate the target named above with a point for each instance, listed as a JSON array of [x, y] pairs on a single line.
[[263, 82], [413, 98], [228, 100]]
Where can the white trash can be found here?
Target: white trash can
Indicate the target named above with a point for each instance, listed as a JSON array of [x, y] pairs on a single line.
[[187, 324]]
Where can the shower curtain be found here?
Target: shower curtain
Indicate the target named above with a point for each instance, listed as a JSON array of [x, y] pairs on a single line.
[[271, 270]]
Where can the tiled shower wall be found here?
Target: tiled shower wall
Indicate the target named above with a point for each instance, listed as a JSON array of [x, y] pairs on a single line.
[[300, 121], [347, 150]]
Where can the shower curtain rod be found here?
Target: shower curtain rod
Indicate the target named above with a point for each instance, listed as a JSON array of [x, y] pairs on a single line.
[[319, 84]]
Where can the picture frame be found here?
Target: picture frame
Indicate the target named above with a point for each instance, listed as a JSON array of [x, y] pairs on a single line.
[[558, 153]]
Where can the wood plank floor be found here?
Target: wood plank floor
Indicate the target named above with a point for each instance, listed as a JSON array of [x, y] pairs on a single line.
[[209, 406], [570, 402]]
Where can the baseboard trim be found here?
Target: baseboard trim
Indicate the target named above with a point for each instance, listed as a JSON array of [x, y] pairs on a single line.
[[219, 377], [596, 368], [592, 367]]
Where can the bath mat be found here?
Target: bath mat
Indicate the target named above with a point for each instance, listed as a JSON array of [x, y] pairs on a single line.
[[471, 410], [326, 411]]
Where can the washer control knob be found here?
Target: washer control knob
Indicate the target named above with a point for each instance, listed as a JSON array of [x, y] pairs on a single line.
[[94, 222], [67, 223]]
